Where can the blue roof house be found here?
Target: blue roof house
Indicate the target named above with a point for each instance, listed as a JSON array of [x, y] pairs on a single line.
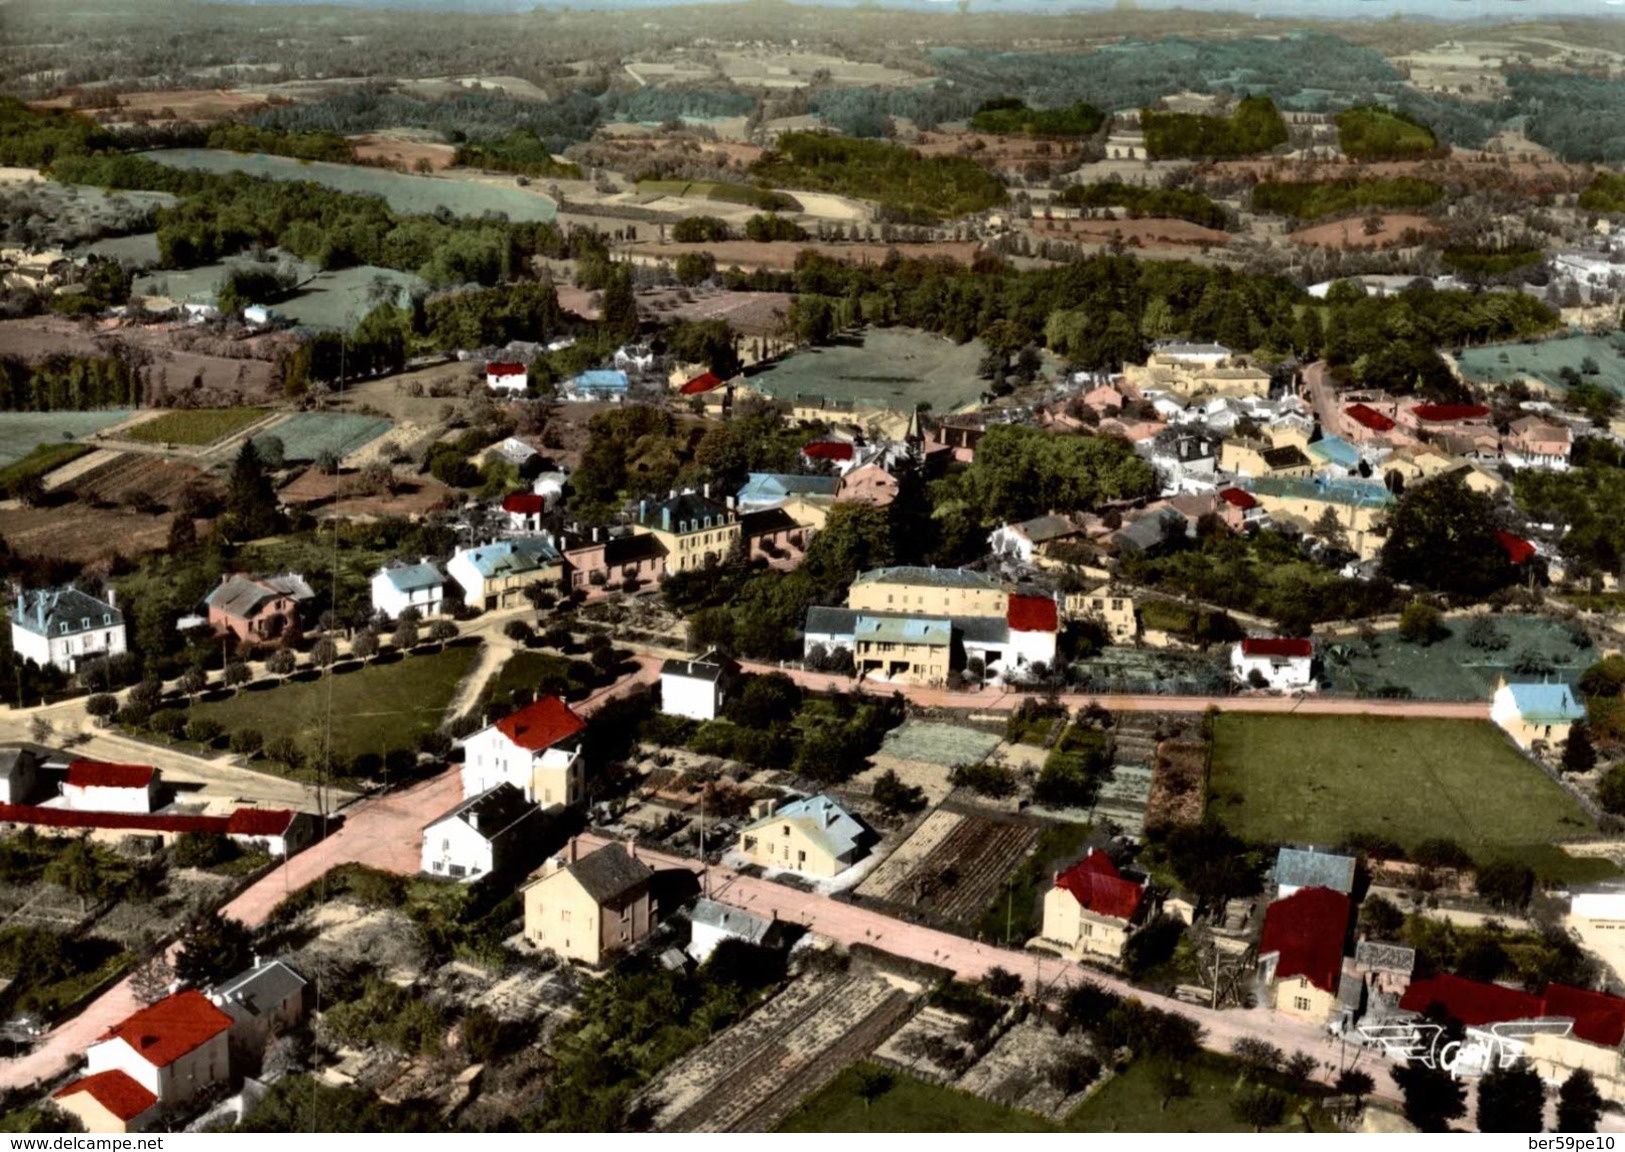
[[1536, 713]]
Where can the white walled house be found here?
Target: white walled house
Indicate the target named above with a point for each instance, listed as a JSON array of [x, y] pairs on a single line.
[[537, 750], [1033, 622], [280, 832], [177, 1049], [695, 688], [1286, 663], [263, 1001], [397, 587], [480, 836], [506, 377], [94, 786], [713, 922], [64, 627]]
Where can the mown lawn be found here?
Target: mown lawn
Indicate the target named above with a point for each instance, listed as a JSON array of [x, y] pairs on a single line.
[[195, 426], [1321, 779], [382, 708], [1131, 1102]]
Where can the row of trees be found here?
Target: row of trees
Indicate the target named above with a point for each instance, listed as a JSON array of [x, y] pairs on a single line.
[[1255, 126], [68, 383]]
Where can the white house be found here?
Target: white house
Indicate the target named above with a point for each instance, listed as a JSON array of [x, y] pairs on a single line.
[[176, 1049], [524, 511], [399, 586], [1023, 540], [64, 627], [1286, 663], [263, 1001], [537, 750], [1033, 622], [506, 377], [19, 775], [713, 922], [638, 357], [695, 688], [94, 786], [550, 485], [481, 835], [278, 832]]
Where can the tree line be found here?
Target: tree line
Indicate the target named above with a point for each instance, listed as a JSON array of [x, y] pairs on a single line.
[[1255, 126], [1009, 116], [68, 383], [1174, 203], [1312, 199]]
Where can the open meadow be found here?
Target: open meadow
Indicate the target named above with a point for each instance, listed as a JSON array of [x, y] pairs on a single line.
[[1543, 360], [308, 435], [883, 368], [22, 432]]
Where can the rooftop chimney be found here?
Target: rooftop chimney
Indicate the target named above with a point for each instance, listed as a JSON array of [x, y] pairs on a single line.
[[112, 596]]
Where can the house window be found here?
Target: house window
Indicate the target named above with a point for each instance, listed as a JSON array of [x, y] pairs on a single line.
[[84, 624], [62, 628], [107, 617], [564, 915], [1301, 1003]]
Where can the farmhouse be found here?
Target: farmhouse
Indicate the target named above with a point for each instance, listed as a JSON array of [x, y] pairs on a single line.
[[495, 576], [592, 908], [1531, 713], [1297, 868], [695, 530], [92, 786], [815, 836], [481, 836], [108, 1102], [1281, 663], [1532, 442], [506, 377], [177, 1049], [1300, 954], [1092, 910], [399, 586], [928, 591], [712, 922], [61, 627], [258, 609], [537, 749], [696, 688]]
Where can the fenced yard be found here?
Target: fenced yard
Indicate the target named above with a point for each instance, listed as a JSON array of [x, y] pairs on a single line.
[[1531, 648]]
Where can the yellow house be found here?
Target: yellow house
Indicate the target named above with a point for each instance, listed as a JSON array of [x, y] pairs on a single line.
[[1111, 607], [1360, 506], [903, 649], [1192, 377], [695, 529], [1300, 954], [928, 592], [1091, 910], [815, 836], [591, 908], [1261, 458], [109, 1102], [1535, 713]]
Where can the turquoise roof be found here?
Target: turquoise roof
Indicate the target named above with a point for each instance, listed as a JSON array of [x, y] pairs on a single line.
[[1356, 493], [1335, 450], [1546, 703], [512, 557], [601, 380], [765, 487], [903, 630]]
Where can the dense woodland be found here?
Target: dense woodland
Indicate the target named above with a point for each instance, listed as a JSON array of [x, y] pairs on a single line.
[[909, 187], [1310, 200], [1011, 116], [1371, 133], [1256, 126]]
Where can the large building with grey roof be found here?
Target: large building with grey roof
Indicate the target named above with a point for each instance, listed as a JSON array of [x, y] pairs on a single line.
[[63, 627], [815, 836]]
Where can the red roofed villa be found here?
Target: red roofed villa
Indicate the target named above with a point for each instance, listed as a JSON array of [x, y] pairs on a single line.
[[838, 450], [1092, 910], [1278, 663], [95, 786], [1240, 509], [1300, 955], [536, 749], [108, 1102], [176, 1049]]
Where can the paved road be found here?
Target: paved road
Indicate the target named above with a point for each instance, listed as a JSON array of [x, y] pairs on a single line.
[[998, 700]]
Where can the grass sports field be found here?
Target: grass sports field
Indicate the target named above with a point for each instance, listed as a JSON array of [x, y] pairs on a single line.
[[1320, 779], [194, 426]]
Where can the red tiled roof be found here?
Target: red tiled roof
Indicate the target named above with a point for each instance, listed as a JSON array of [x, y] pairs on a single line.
[[525, 503], [129, 821], [1276, 646], [704, 382], [1598, 1017], [504, 369], [113, 1090], [541, 725], [1447, 413], [1097, 885], [1307, 930], [1368, 416], [171, 1028], [1470, 1001], [828, 450], [1238, 498], [97, 774], [1518, 550], [1032, 614], [259, 822]]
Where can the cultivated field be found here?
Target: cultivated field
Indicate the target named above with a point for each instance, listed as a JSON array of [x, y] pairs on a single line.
[[1541, 361], [129, 477], [22, 432], [348, 496], [194, 426], [308, 435], [751, 1076], [1353, 232], [953, 865], [1451, 669], [85, 535], [192, 105], [413, 195], [885, 368], [1321, 779]]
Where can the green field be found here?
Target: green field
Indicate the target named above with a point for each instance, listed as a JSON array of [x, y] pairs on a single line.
[[893, 368], [1503, 363], [764, 198], [377, 709], [22, 432], [1451, 669], [43, 459], [309, 434], [1375, 133], [1129, 1102], [1321, 779], [194, 426], [544, 673], [411, 195], [342, 297]]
